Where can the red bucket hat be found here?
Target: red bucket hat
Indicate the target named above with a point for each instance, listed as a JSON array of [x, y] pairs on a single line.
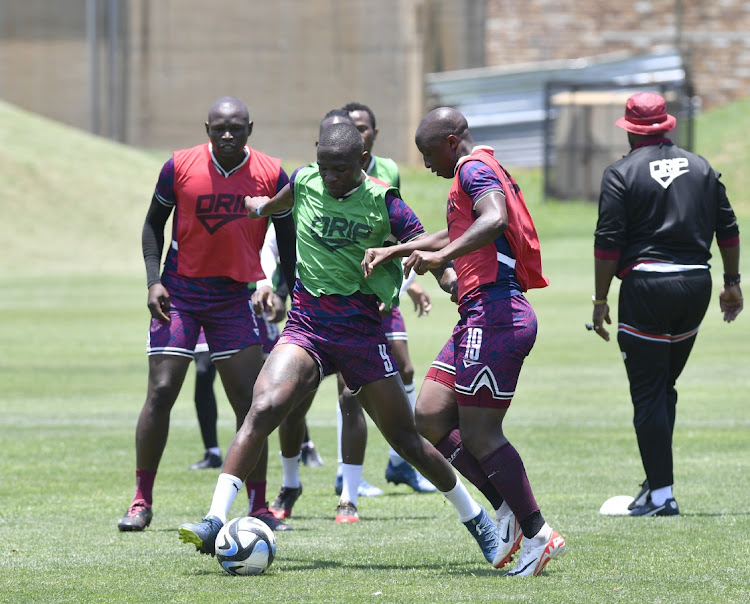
[[646, 113]]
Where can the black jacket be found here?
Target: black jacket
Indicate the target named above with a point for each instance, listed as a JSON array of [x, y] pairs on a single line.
[[664, 204]]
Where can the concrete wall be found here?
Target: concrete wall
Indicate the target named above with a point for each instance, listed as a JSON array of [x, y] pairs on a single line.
[[157, 65], [714, 36], [290, 71]]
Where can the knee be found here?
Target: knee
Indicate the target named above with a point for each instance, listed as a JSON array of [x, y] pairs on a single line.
[[471, 447], [265, 414], [427, 425], [162, 392], [422, 422], [408, 443]]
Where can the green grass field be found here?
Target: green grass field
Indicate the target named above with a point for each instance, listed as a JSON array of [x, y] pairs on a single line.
[[72, 381]]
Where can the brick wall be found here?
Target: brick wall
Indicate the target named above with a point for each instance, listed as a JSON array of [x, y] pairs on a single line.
[[714, 36]]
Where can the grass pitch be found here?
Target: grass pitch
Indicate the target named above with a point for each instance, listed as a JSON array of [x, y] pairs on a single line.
[[73, 375]]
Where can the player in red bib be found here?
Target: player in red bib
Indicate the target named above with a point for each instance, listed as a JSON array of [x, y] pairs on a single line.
[[495, 250], [214, 254]]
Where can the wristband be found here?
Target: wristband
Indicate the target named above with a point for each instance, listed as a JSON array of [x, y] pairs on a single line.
[[731, 279], [598, 302], [260, 209]]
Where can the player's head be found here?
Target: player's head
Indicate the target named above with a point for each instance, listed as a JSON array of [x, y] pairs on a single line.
[[364, 120], [442, 138], [228, 127], [334, 116], [340, 158]]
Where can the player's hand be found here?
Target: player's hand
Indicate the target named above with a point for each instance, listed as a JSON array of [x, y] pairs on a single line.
[[422, 261], [601, 314], [253, 203], [373, 257], [262, 300], [278, 310], [730, 302], [159, 302], [420, 298]]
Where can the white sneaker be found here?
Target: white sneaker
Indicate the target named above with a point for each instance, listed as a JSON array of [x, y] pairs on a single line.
[[538, 551], [509, 535]]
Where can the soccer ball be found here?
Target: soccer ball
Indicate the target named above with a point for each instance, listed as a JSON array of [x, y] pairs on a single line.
[[245, 546]]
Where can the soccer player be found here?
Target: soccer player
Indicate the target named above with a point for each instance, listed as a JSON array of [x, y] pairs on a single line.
[[293, 427], [467, 392], [351, 423], [334, 325], [398, 471], [213, 256]]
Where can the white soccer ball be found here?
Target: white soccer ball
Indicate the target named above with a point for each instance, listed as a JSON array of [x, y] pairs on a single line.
[[616, 506], [245, 546]]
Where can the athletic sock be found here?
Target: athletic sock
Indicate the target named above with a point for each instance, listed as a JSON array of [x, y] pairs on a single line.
[[290, 467], [660, 496], [503, 510], [214, 451], [506, 472], [352, 475], [256, 496], [144, 486], [227, 488], [453, 450], [339, 429], [542, 534], [465, 505], [532, 524], [411, 393]]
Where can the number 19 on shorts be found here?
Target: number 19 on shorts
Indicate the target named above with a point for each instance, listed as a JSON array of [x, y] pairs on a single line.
[[473, 343]]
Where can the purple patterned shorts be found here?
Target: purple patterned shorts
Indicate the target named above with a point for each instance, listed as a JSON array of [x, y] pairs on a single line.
[[483, 358], [356, 346], [228, 322]]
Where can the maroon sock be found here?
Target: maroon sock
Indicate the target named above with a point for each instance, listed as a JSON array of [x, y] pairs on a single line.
[[256, 494], [454, 451], [144, 486], [505, 470]]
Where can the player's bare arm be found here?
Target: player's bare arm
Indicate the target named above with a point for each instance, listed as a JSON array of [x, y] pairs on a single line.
[[258, 207]]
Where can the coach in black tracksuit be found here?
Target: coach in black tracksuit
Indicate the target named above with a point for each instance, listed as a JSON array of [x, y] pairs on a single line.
[[658, 211]]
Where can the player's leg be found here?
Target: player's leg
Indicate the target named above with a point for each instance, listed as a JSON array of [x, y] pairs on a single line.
[[291, 435], [165, 377], [352, 443], [166, 374], [289, 374], [484, 390], [398, 471], [238, 374], [437, 421], [386, 403], [205, 408]]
